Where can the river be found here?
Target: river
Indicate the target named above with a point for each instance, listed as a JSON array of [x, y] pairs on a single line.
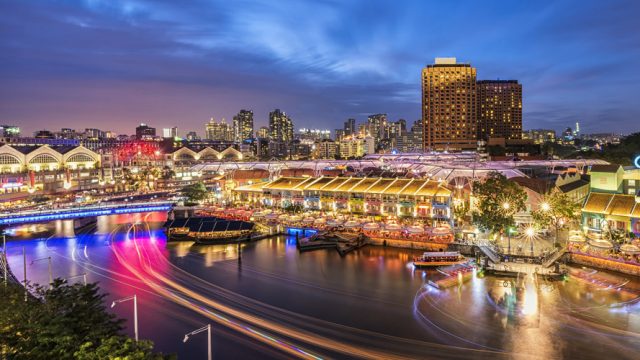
[[267, 300]]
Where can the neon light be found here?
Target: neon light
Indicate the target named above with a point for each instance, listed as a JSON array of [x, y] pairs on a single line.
[[75, 213], [636, 162]]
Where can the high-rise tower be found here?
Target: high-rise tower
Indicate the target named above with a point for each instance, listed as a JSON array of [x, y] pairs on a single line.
[[243, 125], [280, 126], [499, 109], [449, 105]]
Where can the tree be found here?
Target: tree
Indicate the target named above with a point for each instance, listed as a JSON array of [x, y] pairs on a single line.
[[119, 347], [556, 210], [195, 193], [498, 200], [460, 209], [64, 322]]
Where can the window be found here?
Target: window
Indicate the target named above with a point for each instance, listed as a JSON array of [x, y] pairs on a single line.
[[6, 159], [80, 158], [43, 159]]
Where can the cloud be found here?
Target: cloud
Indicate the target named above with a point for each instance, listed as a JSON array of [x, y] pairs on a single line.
[[166, 62]]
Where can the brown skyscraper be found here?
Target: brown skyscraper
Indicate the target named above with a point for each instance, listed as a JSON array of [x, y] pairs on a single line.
[[449, 106], [499, 109]]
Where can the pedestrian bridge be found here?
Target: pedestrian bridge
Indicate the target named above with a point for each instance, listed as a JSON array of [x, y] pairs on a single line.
[[75, 212]]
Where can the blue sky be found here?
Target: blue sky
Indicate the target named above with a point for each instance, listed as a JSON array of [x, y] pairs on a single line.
[[113, 64]]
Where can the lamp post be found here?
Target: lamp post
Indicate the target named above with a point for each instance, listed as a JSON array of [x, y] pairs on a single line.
[[4, 255], [197, 331], [506, 206], [135, 311], [50, 271]]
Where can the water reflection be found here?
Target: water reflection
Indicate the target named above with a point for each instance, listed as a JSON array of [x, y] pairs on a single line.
[[370, 298]]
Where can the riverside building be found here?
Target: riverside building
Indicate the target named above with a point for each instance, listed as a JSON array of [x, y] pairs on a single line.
[[418, 198]]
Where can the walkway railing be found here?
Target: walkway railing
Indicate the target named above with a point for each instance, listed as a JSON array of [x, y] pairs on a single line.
[[84, 211]]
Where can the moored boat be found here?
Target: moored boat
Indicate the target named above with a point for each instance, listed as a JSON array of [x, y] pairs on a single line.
[[438, 259], [209, 230]]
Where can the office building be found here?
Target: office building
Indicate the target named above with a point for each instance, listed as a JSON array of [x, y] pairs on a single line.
[[280, 127], [499, 109], [349, 127], [449, 105], [170, 133], [313, 134], [355, 146], [220, 131], [263, 132], [378, 126], [540, 136], [145, 132], [243, 125]]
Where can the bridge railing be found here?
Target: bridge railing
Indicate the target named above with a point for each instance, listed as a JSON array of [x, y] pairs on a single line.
[[93, 210]]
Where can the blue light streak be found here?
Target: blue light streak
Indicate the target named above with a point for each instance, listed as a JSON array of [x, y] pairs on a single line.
[[78, 213]]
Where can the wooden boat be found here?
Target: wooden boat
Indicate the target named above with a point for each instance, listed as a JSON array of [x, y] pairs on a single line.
[[439, 259], [209, 230]]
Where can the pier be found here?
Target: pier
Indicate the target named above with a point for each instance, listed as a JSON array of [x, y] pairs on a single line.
[[342, 242]]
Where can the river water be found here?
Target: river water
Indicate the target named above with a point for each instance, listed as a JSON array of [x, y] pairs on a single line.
[[267, 300]]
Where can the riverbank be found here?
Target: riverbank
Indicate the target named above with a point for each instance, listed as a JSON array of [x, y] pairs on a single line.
[[604, 263]]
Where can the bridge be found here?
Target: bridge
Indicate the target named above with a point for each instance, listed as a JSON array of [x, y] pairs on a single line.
[[45, 215]]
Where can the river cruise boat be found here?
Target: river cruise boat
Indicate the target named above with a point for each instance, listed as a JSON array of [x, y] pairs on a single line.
[[438, 259], [209, 230]]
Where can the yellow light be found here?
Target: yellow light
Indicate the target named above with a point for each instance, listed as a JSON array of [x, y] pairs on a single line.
[[506, 206], [530, 232], [545, 206]]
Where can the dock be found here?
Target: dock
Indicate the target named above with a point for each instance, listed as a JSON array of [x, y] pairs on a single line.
[[344, 243]]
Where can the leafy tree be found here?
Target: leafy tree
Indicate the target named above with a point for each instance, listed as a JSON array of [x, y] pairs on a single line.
[[498, 200], [64, 322], [195, 192], [460, 209], [119, 347], [556, 210]]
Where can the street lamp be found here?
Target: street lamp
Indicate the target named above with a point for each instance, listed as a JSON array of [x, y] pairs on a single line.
[[545, 206], [4, 255], [208, 329], [135, 311], [530, 232], [50, 271]]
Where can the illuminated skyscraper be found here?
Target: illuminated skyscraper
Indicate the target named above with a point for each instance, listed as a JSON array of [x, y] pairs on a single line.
[[378, 126], [221, 131], [449, 105], [280, 126], [499, 109], [243, 125], [263, 132]]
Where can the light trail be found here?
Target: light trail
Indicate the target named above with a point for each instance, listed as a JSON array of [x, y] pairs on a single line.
[[287, 331]]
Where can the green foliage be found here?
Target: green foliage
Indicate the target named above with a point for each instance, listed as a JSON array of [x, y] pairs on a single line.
[[119, 347], [622, 153], [460, 209], [492, 194], [64, 322], [195, 192], [561, 210]]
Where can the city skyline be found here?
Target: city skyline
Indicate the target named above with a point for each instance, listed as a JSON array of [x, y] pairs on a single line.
[[186, 64]]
